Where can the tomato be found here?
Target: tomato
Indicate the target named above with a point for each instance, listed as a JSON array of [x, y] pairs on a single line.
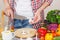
[[42, 38], [53, 32]]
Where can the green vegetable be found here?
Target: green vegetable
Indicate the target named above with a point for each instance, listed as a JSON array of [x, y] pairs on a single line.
[[58, 21], [53, 16], [56, 38]]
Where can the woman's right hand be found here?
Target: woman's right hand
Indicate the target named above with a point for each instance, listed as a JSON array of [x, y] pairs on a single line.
[[9, 12]]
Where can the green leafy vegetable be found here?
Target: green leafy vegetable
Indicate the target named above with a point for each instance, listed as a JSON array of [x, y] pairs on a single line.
[[53, 16]]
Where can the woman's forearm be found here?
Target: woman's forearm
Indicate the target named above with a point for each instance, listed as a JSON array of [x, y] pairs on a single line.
[[6, 2], [45, 4]]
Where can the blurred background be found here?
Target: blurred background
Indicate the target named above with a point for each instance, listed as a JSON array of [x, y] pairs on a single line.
[[55, 5]]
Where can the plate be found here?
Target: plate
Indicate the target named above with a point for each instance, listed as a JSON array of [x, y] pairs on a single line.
[[25, 32]]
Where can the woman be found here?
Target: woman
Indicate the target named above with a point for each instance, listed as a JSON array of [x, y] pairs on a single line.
[[27, 8]]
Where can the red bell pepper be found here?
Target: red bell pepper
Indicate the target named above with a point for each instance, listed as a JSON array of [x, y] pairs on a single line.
[[42, 32]]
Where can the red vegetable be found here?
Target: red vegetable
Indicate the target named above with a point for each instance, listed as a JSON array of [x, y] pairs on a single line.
[[42, 38], [54, 33], [42, 32]]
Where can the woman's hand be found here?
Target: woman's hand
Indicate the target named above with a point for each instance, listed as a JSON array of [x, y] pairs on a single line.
[[9, 12], [36, 18]]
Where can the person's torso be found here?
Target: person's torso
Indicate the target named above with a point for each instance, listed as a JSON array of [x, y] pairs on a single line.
[[24, 8]]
